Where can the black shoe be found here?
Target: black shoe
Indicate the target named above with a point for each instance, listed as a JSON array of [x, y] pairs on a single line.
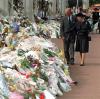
[[82, 65], [72, 61], [68, 63], [75, 83]]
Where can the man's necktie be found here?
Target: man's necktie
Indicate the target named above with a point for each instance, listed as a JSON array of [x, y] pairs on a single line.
[[69, 18]]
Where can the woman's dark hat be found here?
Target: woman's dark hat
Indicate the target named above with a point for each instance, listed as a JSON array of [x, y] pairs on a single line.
[[80, 15]]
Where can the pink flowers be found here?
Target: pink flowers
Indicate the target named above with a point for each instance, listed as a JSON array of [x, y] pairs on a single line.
[[16, 95]]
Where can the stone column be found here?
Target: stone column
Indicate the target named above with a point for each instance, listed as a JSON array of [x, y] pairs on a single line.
[[4, 7], [28, 8], [35, 10], [85, 4], [54, 7], [63, 4]]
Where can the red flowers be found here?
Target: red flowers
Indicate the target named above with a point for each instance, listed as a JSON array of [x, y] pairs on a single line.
[[42, 96]]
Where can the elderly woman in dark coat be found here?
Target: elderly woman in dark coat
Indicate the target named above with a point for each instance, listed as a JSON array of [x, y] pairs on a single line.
[[82, 43]]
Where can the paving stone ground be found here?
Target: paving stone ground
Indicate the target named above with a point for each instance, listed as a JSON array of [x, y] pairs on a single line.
[[87, 76]]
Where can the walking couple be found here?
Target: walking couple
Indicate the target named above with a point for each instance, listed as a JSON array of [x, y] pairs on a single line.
[[75, 29]]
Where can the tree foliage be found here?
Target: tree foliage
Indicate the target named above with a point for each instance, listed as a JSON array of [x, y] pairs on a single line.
[[94, 2], [74, 2]]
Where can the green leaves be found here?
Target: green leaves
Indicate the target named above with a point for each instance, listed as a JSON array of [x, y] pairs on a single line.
[[25, 63], [50, 53]]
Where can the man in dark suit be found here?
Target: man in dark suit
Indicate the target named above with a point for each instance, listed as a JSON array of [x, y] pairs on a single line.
[[68, 33]]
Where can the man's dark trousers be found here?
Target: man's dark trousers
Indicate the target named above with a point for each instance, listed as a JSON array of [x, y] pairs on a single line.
[[69, 49]]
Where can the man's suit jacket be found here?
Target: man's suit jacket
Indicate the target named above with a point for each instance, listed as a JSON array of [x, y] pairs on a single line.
[[68, 28]]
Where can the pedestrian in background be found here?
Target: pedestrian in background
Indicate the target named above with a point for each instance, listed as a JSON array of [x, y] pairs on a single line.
[[99, 25], [95, 16], [82, 43], [68, 33]]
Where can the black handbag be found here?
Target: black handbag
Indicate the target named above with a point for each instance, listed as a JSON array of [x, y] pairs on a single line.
[[89, 38]]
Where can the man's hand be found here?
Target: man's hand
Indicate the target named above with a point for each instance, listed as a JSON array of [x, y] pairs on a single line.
[[62, 38]]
